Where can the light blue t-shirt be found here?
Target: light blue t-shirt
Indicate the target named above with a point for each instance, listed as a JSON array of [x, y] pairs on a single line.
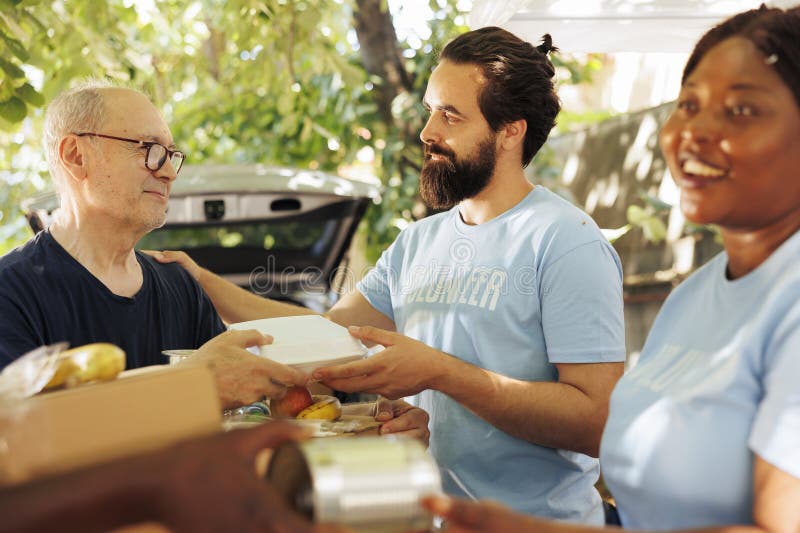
[[535, 286], [718, 380]]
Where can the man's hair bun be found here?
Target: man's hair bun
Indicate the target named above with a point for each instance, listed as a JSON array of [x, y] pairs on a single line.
[[547, 45]]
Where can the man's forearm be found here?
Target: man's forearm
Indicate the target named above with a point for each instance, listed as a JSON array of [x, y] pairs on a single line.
[[235, 304], [96, 499], [551, 414]]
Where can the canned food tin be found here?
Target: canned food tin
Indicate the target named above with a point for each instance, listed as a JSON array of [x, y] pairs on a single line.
[[370, 484]]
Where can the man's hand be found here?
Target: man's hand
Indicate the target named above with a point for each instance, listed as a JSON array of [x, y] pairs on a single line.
[[464, 516], [401, 418], [212, 485], [181, 258], [242, 377], [404, 368], [397, 417]]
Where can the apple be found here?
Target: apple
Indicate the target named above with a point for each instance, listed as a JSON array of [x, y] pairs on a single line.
[[295, 400]]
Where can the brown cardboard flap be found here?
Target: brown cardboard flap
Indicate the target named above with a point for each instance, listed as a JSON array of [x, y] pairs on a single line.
[[140, 411]]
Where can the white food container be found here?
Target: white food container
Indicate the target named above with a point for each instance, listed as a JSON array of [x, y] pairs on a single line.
[[305, 342]]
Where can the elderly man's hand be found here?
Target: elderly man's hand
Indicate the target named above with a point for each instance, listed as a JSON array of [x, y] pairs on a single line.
[[242, 377]]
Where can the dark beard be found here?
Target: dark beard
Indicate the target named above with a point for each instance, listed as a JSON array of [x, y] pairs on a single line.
[[443, 184]]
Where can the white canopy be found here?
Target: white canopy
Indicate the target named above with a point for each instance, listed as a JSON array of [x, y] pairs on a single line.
[[611, 25]]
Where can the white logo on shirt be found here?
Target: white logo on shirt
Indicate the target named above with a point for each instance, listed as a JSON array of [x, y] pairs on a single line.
[[476, 286], [671, 364]]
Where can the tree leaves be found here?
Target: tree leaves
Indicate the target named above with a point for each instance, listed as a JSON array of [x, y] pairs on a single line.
[[11, 70], [30, 95], [12, 102], [13, 110], [15, 47], [649, 219]]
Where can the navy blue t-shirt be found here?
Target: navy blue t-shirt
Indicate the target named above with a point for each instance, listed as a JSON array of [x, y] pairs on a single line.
[[46, 296]]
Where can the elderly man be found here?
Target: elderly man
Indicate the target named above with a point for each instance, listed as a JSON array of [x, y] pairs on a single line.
[[113, 161], [502, 315]]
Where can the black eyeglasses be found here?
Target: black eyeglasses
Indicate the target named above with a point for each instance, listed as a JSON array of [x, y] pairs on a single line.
[[156, 155]]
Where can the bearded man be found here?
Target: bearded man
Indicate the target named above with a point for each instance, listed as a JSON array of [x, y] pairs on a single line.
[[502, 316]]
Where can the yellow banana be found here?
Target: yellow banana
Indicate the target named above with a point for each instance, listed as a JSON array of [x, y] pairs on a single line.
[[104, 362], [66, 370], [100, 361], [323, 408]]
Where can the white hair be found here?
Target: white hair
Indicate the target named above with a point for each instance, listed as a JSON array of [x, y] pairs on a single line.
[[79, 109]]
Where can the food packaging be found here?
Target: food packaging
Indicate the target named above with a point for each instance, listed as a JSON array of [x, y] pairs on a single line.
[[306, 342], [53, 366], [28, 374]]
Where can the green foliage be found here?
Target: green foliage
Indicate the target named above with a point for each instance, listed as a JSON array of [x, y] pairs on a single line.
[[56, 42], [240, 81], [646, 218], [261, 82], [573, 71], [43, 47], [12, 221], [570, 121], [650, 218]]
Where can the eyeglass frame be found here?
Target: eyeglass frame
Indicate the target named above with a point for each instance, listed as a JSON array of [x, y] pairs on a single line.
[[146, 144]]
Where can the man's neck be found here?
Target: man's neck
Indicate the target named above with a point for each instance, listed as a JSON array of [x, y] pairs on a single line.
[[506, 189], [104, 249]]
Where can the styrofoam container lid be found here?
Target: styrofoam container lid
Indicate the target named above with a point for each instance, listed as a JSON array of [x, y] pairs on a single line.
[[306, 342]]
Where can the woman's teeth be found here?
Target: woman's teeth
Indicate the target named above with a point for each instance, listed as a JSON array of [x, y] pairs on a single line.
[[697, 168]]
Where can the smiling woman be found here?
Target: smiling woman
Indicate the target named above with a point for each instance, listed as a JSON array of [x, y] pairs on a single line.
[[734, 139]]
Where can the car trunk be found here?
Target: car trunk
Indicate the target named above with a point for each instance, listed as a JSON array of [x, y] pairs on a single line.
[[279, 232]]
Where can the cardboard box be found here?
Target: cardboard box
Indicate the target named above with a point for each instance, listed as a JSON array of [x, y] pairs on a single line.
[[141, 410]]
